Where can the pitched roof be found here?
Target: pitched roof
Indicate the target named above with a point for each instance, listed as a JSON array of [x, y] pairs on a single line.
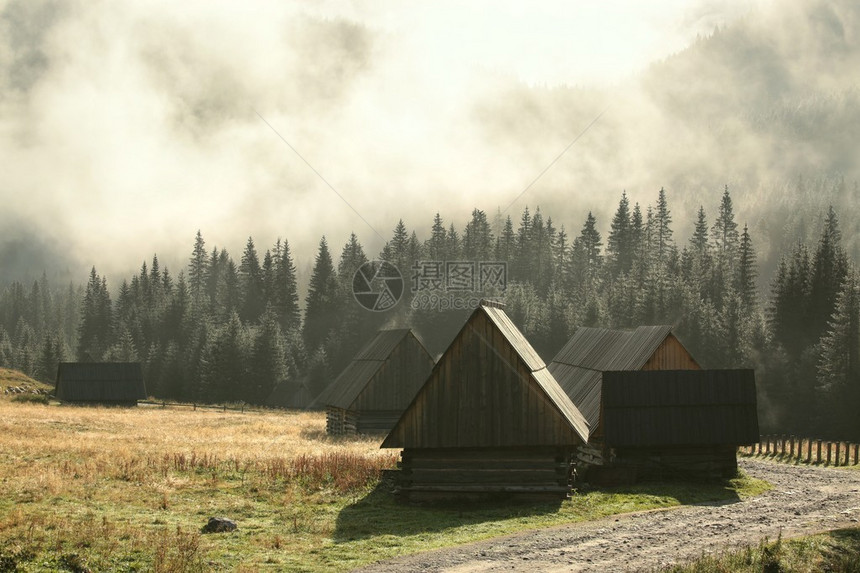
[[489, 377], [578, 365], [367, 362], [680, 408], [99, 382]]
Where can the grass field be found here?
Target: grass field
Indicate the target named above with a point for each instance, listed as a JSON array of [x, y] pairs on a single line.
[[129, 489], [836, 551]]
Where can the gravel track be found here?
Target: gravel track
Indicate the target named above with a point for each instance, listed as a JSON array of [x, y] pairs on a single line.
[[803, 500]]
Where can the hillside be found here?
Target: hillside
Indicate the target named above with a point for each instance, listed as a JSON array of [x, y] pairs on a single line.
[[15, 379]]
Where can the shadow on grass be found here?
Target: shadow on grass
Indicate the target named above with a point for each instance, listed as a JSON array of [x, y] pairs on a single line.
[[685, 492], [378, 513]]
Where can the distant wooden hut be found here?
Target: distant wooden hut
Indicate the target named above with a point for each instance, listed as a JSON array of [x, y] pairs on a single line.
[[686, 423], [293, 394], [578, 367], [106, 383], [489, 419], [374, 389]]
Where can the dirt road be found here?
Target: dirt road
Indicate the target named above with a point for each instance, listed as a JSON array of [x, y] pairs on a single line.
[[803, 500]]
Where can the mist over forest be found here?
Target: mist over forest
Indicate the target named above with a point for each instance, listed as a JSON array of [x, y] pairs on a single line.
[[131, 119], [125, 130]]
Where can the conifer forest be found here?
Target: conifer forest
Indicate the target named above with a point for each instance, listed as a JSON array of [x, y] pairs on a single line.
[[710, 185], [225, 329]]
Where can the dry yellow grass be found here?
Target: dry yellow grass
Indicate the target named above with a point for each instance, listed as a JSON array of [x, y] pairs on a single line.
[[46, 445], [97, 484], [9, 377]]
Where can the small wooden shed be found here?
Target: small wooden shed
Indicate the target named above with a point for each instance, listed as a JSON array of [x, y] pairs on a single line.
[[489, 419], [578, 367], [686, 423], [106, 383], [292, 394], [374, 389]]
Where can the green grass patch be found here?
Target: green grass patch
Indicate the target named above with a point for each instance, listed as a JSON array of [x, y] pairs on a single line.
[[837, 551], [122, 525]]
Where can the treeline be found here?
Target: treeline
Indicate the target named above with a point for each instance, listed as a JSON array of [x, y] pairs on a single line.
[[222, 331]]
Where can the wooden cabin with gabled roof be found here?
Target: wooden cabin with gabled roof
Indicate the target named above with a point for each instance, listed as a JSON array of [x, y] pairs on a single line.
[[579, 365], [490, 419], [104, 383], [679, 423], [651, 409], [374, 389]]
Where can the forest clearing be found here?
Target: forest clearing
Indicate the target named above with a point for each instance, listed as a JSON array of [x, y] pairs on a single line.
[[129, 489]]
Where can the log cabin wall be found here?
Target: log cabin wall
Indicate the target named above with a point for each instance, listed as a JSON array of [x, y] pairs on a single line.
[[427, 474]]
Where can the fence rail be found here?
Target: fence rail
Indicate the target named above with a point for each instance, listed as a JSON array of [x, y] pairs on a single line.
[[195, 406], [804, 450]]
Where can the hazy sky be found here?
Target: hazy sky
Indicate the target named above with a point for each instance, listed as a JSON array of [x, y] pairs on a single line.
[[125, 126]]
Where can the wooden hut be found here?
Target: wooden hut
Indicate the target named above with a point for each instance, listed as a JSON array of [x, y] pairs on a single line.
[[489, 419], [686, 423], [106, 383], [292, 394], [578, 367], [374, 389]]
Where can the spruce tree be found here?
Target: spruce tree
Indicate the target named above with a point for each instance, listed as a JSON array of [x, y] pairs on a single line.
[[477, 238], [437, 245], [94, 332], [662, 231], [285, 297], [396, 251], [198, 268], [829, 267], [542, 263], [268, 366], [523, 263], [251, 285], [619, 243], [226, 363], [506, 243], [745, 274], [839, 364], [725, 230], [453, 242], [321, 308]]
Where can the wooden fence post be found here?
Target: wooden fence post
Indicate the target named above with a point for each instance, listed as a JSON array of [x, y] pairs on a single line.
[[758, 446], [818, 451], [836, 457], [194, 405], [791, 447], [856, 451], [809, 451], [782, 445], [829, 453]]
